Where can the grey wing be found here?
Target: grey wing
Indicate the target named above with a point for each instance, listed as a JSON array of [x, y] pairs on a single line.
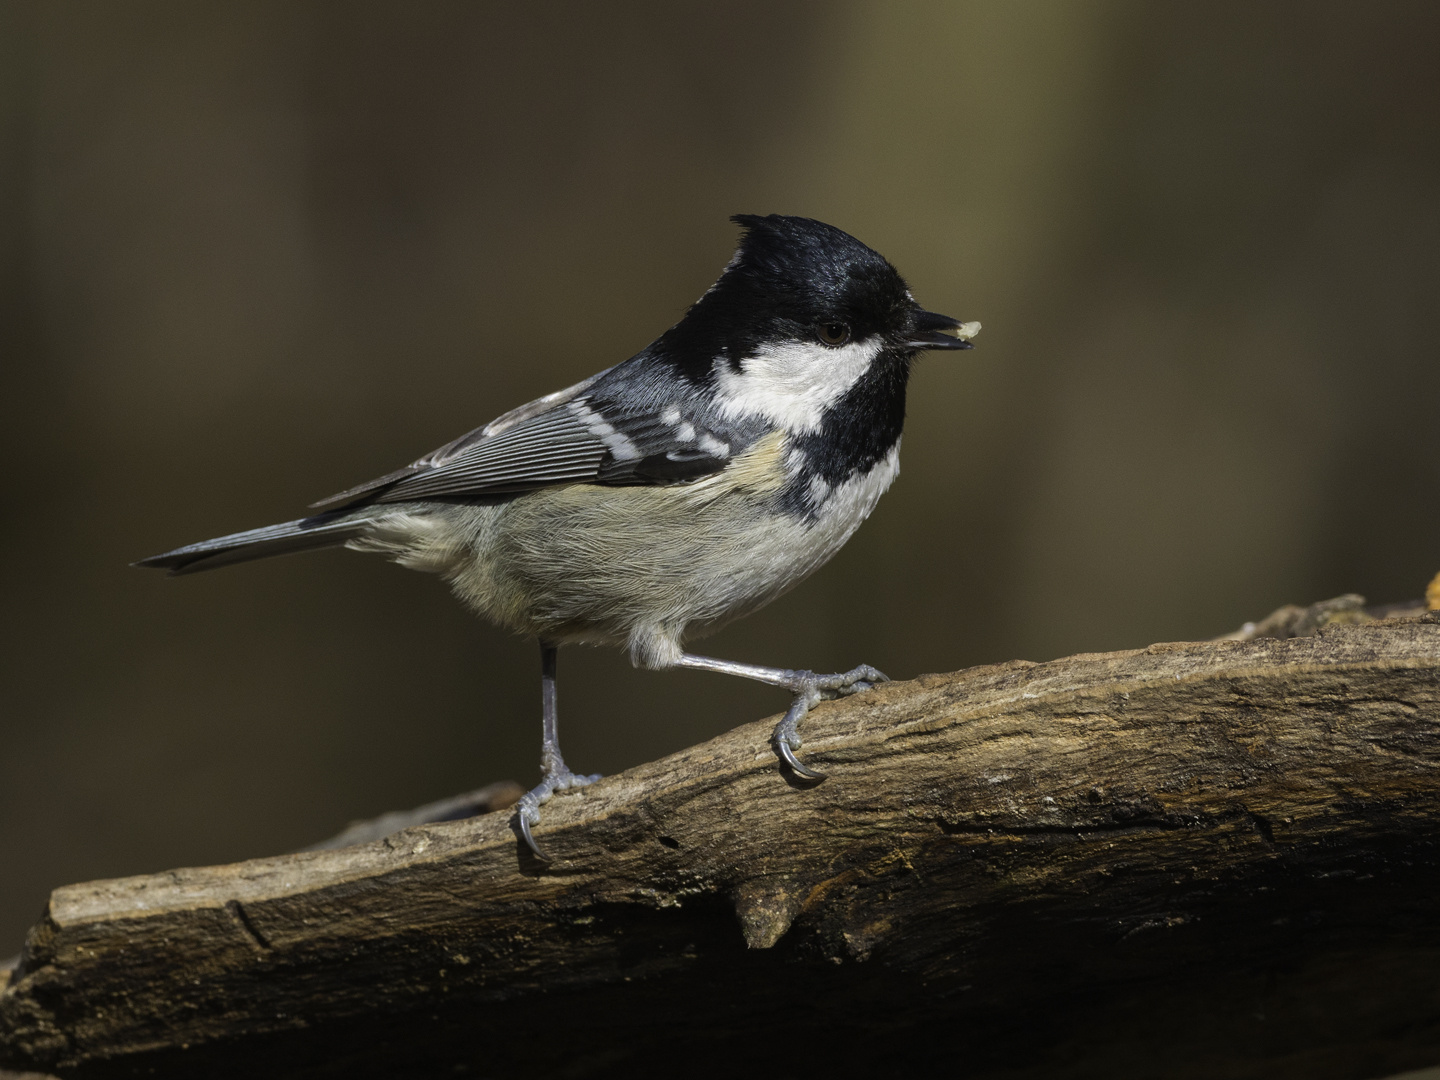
[[556, 439]]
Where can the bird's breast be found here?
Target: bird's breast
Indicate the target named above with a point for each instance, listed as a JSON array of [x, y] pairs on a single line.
[[587, 562]]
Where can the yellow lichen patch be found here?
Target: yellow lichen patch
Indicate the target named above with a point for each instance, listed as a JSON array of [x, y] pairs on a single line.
[[1432, 594]]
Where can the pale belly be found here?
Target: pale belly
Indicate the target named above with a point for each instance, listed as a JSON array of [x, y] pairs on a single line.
[[645, 567]]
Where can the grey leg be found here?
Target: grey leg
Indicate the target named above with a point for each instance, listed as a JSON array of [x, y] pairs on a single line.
[[554, 775], [810, 689]]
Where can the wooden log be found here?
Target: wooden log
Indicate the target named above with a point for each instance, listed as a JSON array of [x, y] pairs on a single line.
[[1203, 859]]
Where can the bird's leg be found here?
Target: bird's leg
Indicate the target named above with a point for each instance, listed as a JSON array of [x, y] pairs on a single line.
[[554, 775], [809, 690]]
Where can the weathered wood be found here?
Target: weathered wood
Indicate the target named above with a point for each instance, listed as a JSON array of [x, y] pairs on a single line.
[[1196, 833]]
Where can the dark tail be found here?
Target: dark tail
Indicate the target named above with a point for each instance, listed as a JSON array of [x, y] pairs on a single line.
[[320, 531]]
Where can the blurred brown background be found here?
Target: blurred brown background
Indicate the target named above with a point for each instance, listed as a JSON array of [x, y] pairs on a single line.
[[256, 252]]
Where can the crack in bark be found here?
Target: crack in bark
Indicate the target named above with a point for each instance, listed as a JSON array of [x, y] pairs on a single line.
[[242, 919]]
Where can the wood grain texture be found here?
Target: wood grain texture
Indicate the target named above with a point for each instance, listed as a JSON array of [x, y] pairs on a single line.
[[1199, 833]]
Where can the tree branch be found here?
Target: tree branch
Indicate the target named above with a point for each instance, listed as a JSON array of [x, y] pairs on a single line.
[[998, 854]]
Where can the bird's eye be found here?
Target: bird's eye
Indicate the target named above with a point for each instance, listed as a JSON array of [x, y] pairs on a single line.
[[833, 334]]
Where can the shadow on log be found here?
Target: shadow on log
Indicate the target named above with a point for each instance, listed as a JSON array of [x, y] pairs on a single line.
[[1207, 860]]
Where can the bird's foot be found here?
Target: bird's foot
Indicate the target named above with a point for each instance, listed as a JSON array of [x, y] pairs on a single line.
[[811, 689], [527, 810]]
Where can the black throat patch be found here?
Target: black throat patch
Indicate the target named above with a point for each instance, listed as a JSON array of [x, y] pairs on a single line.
[[858, 430]]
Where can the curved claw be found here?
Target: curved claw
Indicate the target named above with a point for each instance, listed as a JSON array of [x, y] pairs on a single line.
[[788, 756], [811, 689], [523, 820], [527, 810]]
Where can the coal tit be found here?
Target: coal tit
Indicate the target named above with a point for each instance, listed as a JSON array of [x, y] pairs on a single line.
[[662, 498]]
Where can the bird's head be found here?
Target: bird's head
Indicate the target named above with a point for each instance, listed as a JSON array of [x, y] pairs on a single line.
[[801, 311], [801, 284]]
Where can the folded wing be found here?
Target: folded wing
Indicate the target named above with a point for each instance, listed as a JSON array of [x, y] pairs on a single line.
[[563, 438]]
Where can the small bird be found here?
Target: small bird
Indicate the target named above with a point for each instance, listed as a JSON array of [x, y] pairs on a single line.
[[663, 497]]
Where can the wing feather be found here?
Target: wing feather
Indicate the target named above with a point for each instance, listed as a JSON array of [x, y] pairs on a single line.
[[552, 448], [539, 443], [563, 438]]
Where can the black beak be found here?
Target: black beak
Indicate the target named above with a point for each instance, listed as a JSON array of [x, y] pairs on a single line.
[[927, 332]]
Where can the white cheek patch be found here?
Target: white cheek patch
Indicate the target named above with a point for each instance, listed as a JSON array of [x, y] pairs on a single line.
[[792, 385]]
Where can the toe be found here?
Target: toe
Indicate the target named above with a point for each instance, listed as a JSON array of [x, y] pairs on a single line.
[[570, 781]]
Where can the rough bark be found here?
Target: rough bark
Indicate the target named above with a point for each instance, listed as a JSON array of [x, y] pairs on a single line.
[[1203, 859]]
